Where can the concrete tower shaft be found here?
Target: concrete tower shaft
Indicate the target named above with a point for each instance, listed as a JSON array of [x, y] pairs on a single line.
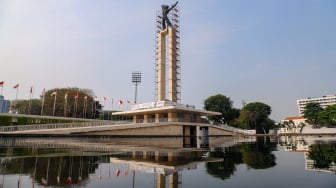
[[167, 60], [163, 56]]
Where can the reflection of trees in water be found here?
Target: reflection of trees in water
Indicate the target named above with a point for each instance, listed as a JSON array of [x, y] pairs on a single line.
[[52, 167], [323, 155], [255, 155], [227, 167], [259, 155], [55, 170]]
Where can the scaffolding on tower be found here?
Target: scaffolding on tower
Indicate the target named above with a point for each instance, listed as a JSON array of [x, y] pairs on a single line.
[[175, 20]]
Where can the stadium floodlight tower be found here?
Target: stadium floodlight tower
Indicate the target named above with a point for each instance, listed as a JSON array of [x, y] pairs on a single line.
[[136, 79]]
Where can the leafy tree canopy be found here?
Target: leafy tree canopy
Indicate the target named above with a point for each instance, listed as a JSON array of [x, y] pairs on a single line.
[[311, 112], [223, 104], [327, 116], [64, 102], [255, 115]]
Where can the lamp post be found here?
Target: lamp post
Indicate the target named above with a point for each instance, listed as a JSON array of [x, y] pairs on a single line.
[[136, 79]]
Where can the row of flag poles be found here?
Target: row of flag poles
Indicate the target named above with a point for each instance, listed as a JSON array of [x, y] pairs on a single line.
[[16, 86], [121, 103]]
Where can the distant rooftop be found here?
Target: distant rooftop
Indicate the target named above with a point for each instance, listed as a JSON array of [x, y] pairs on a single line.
[[294, 118]]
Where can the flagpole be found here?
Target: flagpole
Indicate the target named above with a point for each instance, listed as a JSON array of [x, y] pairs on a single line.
[[75, 105], [92, 110], [104, 109], [85, 106], [54, 104], [95, 108], [65, 103], [112, 105], [108, 112], [30, 99], [43, 96], [17, 91], [74, 111], [1, 83], [1, 89], [29, 104]]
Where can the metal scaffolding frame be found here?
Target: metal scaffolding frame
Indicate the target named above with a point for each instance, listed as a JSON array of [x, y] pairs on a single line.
[[175, 20]]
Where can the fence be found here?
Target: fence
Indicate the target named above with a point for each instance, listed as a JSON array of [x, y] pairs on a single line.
[[6, 129]]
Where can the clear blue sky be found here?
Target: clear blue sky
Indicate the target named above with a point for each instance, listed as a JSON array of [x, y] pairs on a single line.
[[271, 51]]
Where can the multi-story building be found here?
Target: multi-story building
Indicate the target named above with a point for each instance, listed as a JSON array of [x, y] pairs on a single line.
[[4, 105], [323, 101]]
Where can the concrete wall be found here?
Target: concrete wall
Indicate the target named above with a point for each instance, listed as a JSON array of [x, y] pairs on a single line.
[[166, 130], [215, 131], [157, 142]]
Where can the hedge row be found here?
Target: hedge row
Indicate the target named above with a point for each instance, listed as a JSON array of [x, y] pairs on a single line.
[[21, 120]]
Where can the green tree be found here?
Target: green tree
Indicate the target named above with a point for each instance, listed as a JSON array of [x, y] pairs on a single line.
[[71, 102], [66, 104], [255, 115], [222, 104], [32, 107], [311, 111], [327, 116]]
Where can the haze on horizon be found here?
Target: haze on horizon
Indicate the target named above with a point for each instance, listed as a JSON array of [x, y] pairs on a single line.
[[269, 51]]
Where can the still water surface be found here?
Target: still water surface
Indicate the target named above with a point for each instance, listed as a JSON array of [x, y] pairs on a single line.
[[168, 162]]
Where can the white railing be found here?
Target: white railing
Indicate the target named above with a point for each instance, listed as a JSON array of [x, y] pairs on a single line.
[[160, 104], [237, 130], [151, 121], [58, 126]]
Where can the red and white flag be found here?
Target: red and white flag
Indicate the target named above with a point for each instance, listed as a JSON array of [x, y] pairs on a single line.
[[120, 102], [15, 86], [2, 83], [76, 95], [53, 93]]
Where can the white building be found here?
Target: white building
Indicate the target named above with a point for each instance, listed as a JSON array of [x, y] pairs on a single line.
[[323, 101], [293, 124]]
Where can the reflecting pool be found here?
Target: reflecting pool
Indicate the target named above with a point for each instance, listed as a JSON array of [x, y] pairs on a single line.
[[168, 162]]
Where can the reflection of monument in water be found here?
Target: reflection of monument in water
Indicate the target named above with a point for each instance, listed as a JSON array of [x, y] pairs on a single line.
[[166, 166], [61, 162]]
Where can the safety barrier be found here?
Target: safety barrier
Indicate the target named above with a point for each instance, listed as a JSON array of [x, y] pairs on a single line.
[[140, 122]]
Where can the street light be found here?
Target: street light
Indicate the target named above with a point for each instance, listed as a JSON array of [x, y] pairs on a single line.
[[136, 79]]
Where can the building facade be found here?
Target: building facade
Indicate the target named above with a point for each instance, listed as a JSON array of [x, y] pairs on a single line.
[[292, 124], [4, 105], [322, 101]]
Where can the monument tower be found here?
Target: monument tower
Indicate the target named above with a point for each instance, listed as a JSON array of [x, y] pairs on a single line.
[[168, 54], [167, 115]]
